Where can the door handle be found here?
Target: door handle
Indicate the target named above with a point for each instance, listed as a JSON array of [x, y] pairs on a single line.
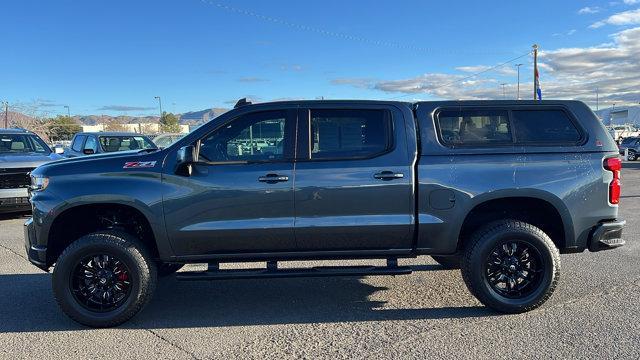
[[388, 175], [273, 178]]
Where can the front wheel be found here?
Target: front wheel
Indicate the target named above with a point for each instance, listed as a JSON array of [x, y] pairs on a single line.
[[632, 156], [103, 279], [511, 266]]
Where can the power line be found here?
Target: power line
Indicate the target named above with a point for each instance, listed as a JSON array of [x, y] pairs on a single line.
[[468, 77], [335, 34]]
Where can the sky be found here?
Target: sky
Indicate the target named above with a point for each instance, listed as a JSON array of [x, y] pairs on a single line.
[[113, 57]]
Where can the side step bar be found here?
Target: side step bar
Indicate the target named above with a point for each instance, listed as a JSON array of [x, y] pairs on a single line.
[[213, 273]]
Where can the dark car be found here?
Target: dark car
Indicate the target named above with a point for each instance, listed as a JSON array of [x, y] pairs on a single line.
[[89, 143], [20, 152], [496, 188], [632, 144]]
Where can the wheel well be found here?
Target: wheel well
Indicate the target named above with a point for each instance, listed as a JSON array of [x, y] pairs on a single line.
[[534, 211], [85, 219]]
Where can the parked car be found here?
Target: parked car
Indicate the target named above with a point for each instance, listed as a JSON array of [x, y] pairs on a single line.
[[496, 188], [20, 152], [620, 132], [164, 140], [633, 145], [89, 143]]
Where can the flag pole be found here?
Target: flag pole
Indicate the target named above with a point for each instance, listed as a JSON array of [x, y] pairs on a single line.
[[535, 71]]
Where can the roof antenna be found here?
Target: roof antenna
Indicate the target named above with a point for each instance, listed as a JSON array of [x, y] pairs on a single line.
[[242, 102]]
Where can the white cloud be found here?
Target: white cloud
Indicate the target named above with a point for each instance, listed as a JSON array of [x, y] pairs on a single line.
[[631, 2], [571, 32], [629, 17], [566, 73], [589, 10]]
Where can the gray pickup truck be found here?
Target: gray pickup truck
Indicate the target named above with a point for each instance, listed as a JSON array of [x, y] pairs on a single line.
[[496, 188]]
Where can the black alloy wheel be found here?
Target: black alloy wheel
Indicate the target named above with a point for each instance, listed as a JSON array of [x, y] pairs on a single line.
[[101, 282], [514, 269]]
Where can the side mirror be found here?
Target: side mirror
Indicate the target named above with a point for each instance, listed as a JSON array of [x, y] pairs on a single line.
[[88, 151], [185, 158], [58, 150]]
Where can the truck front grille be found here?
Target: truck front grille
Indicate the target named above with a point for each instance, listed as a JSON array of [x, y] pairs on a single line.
[[15, 178]]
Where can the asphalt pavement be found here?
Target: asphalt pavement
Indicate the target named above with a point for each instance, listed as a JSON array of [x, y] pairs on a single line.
[[594, 312]]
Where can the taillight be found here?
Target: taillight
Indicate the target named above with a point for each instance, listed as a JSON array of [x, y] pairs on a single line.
[[614, 165]]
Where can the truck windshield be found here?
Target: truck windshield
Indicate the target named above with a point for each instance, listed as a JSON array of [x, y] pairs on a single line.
[[21, 144], [124, 143]]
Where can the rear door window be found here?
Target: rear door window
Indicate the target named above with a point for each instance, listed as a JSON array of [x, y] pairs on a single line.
[[349, 134], [474, 126], [544, 126]]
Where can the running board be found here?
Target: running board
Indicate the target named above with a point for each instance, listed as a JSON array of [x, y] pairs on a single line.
[[273, 272]]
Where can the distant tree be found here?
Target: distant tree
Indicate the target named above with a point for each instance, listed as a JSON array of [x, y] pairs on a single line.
[[147, 128], [114, 125], [169, 123], [62, 128]]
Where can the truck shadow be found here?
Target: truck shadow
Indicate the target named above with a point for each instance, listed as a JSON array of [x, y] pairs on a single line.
[[15, 215], [27, 304], [634, 165]]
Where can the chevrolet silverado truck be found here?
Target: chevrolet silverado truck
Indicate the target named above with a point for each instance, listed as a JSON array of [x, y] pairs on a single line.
[[496, 188]]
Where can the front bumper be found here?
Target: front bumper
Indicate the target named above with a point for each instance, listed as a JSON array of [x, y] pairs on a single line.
[[607, 235], [36, 254], [14, 200]]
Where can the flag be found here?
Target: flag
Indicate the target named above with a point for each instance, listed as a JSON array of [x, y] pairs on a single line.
[[538, 88]]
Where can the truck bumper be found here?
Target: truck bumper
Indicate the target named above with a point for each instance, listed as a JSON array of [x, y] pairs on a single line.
[[607, 235], [36, 254], [14, 200]]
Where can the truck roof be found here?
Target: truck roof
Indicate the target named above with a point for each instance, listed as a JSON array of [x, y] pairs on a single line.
[[15, 131], [110, 133], [439, 102]]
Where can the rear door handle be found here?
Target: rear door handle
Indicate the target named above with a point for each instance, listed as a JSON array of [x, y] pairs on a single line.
[[273, 178], [388, 175]]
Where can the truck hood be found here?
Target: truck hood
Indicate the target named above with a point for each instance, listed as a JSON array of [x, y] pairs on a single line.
[[29, 160], [100, 163]]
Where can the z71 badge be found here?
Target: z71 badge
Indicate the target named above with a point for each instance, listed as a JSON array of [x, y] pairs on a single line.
[[139, 164]]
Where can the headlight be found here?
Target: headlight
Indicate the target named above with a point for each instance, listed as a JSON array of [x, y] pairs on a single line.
[[39, 183]]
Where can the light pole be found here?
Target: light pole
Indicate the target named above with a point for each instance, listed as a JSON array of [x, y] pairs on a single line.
[[68, 111], [613, 107], [160, 105], [504, 94], [518, 67], [597, 100], [6, 114]]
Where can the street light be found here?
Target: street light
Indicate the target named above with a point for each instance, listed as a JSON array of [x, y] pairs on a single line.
[[68, 112], [504, 95], [518, 67], [160, 105]]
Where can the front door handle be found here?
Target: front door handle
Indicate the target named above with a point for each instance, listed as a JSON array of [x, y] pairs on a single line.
[[273, 178], [388, 175]]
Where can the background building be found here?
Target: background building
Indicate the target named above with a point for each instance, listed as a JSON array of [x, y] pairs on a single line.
[[620, 115]]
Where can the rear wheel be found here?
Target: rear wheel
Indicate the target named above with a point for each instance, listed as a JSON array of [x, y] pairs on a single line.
[[511, 266], [103, 279], [632, 156], [448, 262]]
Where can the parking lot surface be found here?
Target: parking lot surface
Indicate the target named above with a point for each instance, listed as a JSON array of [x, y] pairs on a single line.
[[594, 312]]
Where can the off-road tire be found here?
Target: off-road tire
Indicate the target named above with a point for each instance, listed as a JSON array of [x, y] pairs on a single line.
[[448, 262], [125, 248], [484, 241]]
